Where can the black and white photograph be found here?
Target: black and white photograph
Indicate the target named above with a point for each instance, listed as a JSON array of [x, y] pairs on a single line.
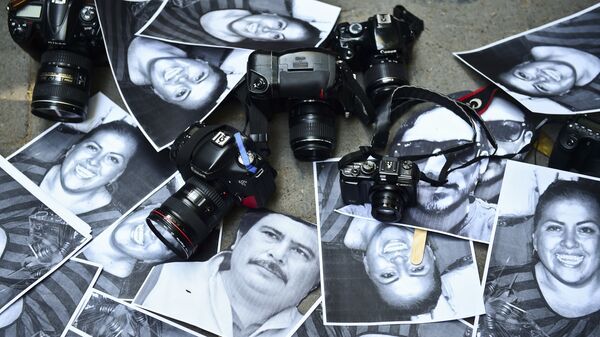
[[464, 206], [36, 235], [250, 24], [542, 274], [445, 143], [128, 249], [74, 333], [552, 69], [312, 326], [253, 288], [98, 169], [166, 86], [105, 316], [368, 276], [513, 129], [47, 308]]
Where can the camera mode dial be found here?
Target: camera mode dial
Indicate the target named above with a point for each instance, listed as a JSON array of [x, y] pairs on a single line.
[[368, 167]]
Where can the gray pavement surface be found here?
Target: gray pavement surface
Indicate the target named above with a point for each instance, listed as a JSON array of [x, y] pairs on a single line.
[[450, 25]]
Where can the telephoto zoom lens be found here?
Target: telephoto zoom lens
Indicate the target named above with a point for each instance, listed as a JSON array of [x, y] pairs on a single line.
[[62, 87], [187, 217], [312, 130]]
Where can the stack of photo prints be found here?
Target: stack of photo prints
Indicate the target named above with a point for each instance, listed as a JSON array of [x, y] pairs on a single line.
[[79, 260]]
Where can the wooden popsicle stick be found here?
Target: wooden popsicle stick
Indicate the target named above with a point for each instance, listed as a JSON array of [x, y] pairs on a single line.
[[418, 246]]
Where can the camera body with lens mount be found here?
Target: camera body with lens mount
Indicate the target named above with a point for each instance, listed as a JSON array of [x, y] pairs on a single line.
[[577, 147], [65, 37], [313, 85], [221, 168], [380, 47], [389, 185]]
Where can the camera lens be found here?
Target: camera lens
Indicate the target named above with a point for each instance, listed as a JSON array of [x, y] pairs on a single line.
[[312, 130], [62, 87], [387, 202], [187, 217], [382, 77]]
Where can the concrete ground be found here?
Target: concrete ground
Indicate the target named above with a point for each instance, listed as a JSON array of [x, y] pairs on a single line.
[[450, 25]]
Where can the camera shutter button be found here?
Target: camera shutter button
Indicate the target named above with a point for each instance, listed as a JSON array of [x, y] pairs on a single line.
[[367, 167]]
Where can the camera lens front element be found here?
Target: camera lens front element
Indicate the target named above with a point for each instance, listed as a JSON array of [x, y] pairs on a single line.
[[62, 87], [387, 202], [312, 130], [187, 217]]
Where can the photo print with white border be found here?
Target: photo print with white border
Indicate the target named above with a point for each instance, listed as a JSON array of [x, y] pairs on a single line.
[[37, 235], [262, 278], [128, 249], [253, 24], [542, 269], [74, 333], [452, 210], [552, 69], [312, 326], [367, 276], [165, 86], [47, 308], [98, 169], [104, 315]]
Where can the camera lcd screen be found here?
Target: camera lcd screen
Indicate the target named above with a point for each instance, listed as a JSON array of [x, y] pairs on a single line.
[[30, 11]]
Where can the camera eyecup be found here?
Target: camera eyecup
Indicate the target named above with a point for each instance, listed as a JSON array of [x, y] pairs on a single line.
[[312, 130], [62, 87]]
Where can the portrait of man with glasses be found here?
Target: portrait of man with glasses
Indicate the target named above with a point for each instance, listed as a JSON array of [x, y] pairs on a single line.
[[450, 150], [513, 130]]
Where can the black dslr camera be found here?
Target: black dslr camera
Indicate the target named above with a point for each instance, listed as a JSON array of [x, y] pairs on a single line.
[[312, 85], [381, 48], [221, 168], [577, 147], [389, 185], [65, 37]]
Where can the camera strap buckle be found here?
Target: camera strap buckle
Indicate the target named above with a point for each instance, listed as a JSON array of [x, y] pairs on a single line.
[[244, 154]]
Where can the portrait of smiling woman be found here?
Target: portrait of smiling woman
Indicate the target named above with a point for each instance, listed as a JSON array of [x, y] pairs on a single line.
[[253, 24], [166, 86], [94, 173], [557, 292]]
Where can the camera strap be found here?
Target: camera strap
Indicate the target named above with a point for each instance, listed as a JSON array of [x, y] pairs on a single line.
[[481, 99], [257, 123], [355, 94], [405, 97]]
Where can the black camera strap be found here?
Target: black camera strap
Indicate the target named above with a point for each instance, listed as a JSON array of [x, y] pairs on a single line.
[[257, 123], [405, 97], [481, 99], [362, 154], [355, 94]]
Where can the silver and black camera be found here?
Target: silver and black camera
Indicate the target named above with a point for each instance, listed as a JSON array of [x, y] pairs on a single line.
[[65, 37], [389, 185], [221, 168], [313, 85]]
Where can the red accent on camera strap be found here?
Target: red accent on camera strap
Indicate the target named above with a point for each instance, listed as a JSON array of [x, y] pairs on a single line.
[[484, 94], [250, 202]]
